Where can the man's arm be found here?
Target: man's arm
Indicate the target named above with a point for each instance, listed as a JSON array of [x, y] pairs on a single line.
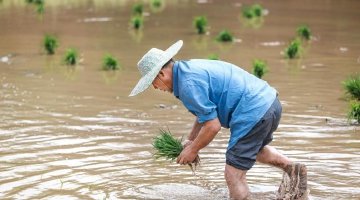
[[195, 130], [206, 134]]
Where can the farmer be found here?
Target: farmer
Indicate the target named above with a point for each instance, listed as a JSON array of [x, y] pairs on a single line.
[[220, 94]]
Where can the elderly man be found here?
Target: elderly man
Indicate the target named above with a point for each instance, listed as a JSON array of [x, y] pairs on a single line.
[[220, 94]]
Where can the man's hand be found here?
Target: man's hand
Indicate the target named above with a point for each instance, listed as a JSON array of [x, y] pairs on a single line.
[[188, 155], [207, 133]]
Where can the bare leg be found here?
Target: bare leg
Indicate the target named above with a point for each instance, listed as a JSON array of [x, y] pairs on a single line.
[[236, 182], [294, 183], [269, 155]]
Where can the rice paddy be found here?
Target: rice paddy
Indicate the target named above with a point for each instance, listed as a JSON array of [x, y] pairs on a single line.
[[98, 141]]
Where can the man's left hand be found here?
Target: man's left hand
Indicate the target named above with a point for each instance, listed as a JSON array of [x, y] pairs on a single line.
[[187, 156]]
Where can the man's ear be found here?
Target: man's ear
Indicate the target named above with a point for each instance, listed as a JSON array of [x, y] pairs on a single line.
[[161, 72]]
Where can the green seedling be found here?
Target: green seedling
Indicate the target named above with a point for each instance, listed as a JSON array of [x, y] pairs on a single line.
[[137, 21], [354, 112], [168, 147], [110, 63], [304, 32], [50, 44], [200, 23], [138, 9], [352, 86], [253, 11], [71, 56], [257, 10], [156, 3], [225, 36], [259, 68], [293, 50]]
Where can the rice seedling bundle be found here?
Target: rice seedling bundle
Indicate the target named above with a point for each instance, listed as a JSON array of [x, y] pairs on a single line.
[[259, 68], [137, 21], [253, 11], [156, 3], [354, 112], [304, 32], [169, 148], [71, 56], [110, 63], [225, 36], [138, 9], [352, 86], [200, 23], [50, 44], [294, 48]]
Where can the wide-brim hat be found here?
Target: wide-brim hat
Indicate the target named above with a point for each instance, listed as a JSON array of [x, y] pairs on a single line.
[[151, 63]]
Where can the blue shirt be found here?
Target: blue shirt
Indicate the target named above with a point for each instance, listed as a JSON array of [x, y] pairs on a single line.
[[212, 89]]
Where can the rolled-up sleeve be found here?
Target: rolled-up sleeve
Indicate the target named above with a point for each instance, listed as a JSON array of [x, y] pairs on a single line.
[[195, 98]]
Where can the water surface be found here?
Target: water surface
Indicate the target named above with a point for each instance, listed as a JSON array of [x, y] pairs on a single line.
[[72, 133]]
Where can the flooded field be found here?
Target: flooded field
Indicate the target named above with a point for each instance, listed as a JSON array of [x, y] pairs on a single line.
[[73, 132]]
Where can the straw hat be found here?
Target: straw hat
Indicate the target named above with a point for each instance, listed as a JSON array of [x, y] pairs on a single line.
[[150, 65]]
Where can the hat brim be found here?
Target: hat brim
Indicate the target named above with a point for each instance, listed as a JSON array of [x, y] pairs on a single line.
[[147, 79]]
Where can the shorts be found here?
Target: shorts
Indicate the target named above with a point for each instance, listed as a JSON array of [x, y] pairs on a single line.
[[243, 154]]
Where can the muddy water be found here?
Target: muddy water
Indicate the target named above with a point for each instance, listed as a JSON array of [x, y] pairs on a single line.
[[72, 133]]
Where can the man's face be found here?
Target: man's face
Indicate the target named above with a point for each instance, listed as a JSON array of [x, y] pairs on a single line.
[[161, 82]]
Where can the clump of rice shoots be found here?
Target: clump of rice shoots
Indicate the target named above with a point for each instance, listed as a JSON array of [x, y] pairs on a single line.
[[257, 10], [259, 68], [354, 112], [71, 56], [225, 36], [247, 12], [168, 147], [200, 23], [213, 57], [352, 86], [294, 49], [156, 3], [50, 44], [137, 22], [110, 63], [253, 11], [304, 32], [138, 9]]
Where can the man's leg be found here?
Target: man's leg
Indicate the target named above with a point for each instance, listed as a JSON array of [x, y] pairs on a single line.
[[236, 182], [269, 155], [294, 183]]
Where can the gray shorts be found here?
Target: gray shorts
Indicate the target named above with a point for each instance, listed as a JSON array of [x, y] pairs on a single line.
[[243, 154]]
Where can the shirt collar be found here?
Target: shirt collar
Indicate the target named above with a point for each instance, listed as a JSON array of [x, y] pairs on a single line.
[[175, 79]]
